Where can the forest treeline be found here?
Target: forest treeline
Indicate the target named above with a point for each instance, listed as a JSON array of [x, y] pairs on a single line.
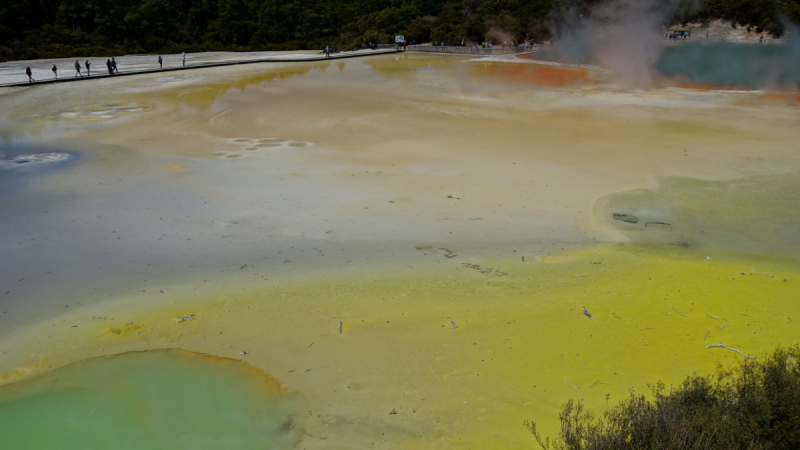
[[60, 28]]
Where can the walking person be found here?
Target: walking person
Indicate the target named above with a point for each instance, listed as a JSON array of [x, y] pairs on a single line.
[[160, 62], [327, 52], [78, 69], [183, 58], [55, 72], [114, 65], [88, 71], [110, 67], [29, 74]]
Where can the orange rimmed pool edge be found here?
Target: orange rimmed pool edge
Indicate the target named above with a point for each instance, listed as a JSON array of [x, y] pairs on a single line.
[[537, 74], [791, 97]]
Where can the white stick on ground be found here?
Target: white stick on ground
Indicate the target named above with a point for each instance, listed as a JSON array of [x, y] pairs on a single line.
[[679, 313], [570, 382], [731, 349]]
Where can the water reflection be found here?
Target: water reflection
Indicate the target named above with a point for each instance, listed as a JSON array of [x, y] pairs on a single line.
[[405, 67], [201, 96]]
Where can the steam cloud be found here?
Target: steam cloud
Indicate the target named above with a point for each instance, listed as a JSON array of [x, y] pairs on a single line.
[[626, 37]]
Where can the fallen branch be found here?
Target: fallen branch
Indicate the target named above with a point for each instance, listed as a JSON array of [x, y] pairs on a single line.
[[679, 313], [595, 382], [340, 327], [731, 349], [713, 317], [570, 382], [762, 274]]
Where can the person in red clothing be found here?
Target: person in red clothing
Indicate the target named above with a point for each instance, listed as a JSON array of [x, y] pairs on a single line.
[[404, 45]]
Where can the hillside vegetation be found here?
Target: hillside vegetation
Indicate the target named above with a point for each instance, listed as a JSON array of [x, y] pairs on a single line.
[[754, 405], [60, 28]]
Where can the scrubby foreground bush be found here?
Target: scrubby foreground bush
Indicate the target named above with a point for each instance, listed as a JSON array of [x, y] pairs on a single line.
[[753, 405]]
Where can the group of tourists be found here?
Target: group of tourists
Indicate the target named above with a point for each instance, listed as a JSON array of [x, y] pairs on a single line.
[[488, 44], [111, 65]]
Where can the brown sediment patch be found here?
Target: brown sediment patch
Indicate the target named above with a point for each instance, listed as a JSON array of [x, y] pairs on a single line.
[[23, 370], [789, 97], [699, 87], [261, 379], [125, 330], [537, 74]]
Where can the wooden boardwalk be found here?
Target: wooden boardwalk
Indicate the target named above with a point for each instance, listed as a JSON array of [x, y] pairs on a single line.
[[309, 58]]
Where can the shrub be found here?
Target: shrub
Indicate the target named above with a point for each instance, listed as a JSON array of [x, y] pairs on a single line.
[[753, 405]]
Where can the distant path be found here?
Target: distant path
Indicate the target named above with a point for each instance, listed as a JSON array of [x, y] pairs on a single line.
[[69, 70], [469, 50]]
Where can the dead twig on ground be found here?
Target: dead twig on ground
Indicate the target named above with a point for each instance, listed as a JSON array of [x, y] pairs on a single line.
[[731, 349]]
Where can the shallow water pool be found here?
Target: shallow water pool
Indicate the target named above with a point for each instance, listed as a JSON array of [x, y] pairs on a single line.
[[164, 399]]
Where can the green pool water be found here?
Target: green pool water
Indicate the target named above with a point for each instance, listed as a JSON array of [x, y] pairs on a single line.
[[165, 399], [719, 64]]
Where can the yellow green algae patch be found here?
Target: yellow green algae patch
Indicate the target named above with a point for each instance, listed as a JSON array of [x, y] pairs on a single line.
[[465, 351], [163, 399]]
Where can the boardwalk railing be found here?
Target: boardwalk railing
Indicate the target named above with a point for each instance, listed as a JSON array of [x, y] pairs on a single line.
[[466, 50]]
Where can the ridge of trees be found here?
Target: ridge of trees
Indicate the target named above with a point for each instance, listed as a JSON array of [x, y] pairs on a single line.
[[60, 28]]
